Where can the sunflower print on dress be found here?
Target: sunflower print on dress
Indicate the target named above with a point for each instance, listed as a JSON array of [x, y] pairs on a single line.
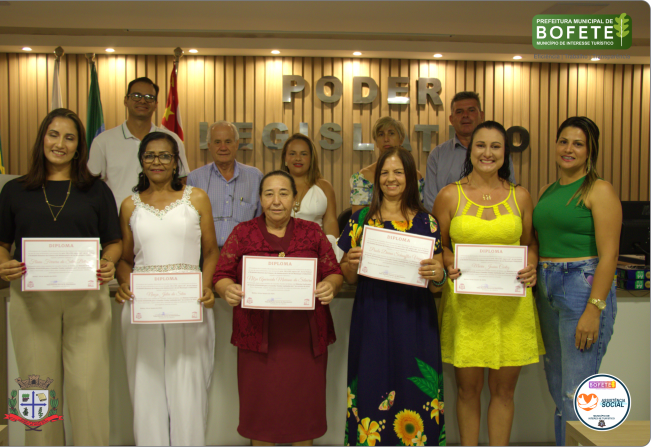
[[403, 226], [408, 425]]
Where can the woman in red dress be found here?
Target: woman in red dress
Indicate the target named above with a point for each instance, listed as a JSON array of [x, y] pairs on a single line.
[[282, 354]]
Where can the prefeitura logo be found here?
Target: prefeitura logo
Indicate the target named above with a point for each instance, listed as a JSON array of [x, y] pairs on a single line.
[[33, 405], [582, 32]]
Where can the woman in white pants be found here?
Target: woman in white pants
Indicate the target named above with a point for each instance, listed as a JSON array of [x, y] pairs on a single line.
[[166, 227]]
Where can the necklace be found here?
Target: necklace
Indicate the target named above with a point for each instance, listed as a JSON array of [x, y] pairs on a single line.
[[57, 206], [297, 203], [483, 196]]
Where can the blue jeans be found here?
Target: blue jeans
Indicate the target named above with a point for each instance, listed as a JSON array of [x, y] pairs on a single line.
[[563, 292]]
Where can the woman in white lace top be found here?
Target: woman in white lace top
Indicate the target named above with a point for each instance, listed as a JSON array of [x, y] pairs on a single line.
[[166, 227]]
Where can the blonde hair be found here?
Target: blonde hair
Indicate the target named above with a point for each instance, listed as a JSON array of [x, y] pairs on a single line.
[[388, 121], [314, 173]]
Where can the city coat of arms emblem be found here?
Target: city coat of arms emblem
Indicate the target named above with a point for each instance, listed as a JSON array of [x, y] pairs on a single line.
[[33, 404]]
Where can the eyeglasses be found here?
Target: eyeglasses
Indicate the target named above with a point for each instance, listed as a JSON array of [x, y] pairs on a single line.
[[165, 158], [138, 96]]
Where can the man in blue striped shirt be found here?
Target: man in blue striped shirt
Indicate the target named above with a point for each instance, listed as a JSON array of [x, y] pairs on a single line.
[[231, 186]]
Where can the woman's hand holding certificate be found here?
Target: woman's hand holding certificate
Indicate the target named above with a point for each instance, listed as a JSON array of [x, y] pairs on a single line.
[[61, 264], [280, 283], [396, 257], [166, 298], [490, 269]]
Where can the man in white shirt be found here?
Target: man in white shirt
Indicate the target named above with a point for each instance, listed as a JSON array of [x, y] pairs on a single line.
[[114, 153]]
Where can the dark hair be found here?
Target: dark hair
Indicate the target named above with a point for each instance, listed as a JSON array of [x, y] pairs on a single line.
[[465, 95], [282, 174], [314, 173], [146, 80], [591, 132], [410, 196], [80, 176], [504, 172], [143, 181]]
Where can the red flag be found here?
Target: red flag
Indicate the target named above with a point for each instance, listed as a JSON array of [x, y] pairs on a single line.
[[172, 118]]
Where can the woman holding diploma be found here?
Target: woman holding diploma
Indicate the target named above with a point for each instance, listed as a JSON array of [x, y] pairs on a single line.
[[282, 354], [395, 374], [387, 133], [166, 227], [578, 219], [62, 333], [486, 331], [315, 198]]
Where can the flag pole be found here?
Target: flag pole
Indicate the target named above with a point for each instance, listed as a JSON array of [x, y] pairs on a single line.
[[57, 100], [178, 54]]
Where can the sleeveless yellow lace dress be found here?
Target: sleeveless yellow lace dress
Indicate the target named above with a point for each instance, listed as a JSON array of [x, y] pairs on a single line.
[[481, 330]]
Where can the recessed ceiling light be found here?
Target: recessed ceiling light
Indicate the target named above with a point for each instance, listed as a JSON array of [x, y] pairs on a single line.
[[110, 50], [438, 55], [357, 53], [27, 49], [275, 52], [517, 57], [194, 51], [595, 59]]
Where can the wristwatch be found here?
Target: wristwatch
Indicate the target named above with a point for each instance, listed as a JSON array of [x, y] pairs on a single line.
[[601, 304]]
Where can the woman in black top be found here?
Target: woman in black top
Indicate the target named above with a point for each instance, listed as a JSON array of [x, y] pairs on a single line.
[[61, 333]]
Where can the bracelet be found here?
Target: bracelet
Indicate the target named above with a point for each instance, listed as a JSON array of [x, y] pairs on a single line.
[[106, 258], [445, 277], [5, 278]]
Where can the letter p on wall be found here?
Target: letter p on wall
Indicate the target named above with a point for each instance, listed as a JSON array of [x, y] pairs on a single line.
[[288, 88]]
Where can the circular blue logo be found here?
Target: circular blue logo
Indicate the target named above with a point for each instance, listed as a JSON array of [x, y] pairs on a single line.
[[602, 402]]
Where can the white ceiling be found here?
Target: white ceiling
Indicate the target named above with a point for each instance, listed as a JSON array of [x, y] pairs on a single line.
[[486, 30]]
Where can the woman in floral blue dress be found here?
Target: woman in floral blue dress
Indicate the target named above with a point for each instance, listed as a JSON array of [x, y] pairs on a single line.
[[395, 375]]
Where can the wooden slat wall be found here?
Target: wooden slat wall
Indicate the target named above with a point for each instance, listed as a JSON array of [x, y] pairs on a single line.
[[537, 96]]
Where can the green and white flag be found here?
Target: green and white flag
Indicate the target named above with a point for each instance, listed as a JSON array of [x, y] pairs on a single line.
[[95, 117]]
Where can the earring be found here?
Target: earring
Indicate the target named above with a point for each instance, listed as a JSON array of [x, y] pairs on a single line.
[[76, 156]]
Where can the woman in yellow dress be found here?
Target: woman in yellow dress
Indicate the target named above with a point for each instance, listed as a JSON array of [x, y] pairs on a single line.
[[501, 333]]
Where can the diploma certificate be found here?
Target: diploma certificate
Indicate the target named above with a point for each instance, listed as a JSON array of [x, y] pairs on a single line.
[[394, 256], [60, 264], [490, 269], [278, 283], [166, 298]]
